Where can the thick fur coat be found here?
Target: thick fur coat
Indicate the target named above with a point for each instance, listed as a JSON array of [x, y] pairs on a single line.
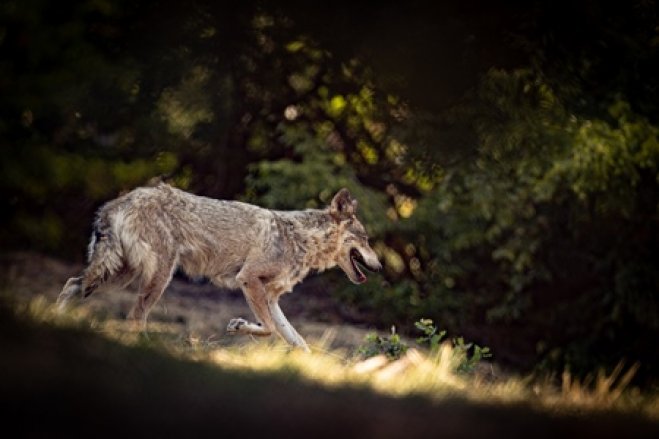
[[148, 233]]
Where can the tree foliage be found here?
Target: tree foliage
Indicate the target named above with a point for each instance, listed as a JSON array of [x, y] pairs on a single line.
[[507, 173]]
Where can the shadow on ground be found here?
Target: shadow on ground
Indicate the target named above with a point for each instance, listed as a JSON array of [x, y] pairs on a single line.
[[64, 381]]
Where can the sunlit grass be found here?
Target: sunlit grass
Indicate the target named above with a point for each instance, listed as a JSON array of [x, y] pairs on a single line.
[[432, 375]]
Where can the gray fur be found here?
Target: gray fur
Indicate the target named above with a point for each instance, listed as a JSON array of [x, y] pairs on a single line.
[[149, 232]]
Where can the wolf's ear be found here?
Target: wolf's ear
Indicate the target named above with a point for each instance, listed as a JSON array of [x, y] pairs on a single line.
[[343, 206]]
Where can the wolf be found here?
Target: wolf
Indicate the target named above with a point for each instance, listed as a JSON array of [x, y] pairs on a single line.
[[147, 234]]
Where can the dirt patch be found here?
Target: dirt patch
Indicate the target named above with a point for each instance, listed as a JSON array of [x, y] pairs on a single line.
[[190, 308]]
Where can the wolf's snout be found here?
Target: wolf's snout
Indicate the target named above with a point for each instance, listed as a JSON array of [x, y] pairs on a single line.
[[370, 260], [373, 265]]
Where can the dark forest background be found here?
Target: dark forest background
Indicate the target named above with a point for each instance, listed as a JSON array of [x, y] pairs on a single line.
[[504, 154]]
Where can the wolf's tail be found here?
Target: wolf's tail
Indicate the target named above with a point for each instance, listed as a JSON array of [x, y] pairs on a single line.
[[106, 257]]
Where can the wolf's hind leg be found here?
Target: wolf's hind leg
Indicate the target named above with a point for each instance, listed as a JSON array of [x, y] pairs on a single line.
[[151, 291], [71, 288]]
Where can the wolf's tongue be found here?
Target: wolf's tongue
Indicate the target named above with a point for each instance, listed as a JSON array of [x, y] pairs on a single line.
[[361, 278]]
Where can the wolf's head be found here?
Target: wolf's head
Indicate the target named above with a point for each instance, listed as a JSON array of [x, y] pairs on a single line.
[[354, 250]]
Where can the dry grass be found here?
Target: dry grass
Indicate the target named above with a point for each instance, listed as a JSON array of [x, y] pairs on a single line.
[[417, 373]]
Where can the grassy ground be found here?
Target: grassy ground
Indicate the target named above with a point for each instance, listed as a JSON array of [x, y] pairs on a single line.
[[60, 378], [88, 373]]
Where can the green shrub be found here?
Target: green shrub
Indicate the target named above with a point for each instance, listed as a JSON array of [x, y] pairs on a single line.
[[469, 354], [432, 337], [393, 347]]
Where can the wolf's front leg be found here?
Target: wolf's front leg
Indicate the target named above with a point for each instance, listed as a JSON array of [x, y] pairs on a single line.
[[242, 326], [255, 295], [264, 307], [284, 328]]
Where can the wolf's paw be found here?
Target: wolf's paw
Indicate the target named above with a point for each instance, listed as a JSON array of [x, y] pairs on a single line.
[[235, 325]]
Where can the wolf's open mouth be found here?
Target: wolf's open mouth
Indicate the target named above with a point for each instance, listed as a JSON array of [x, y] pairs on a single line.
[[357, 261]]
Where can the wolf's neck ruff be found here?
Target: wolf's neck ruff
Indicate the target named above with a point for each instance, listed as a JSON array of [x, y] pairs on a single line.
[[316, 238]]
